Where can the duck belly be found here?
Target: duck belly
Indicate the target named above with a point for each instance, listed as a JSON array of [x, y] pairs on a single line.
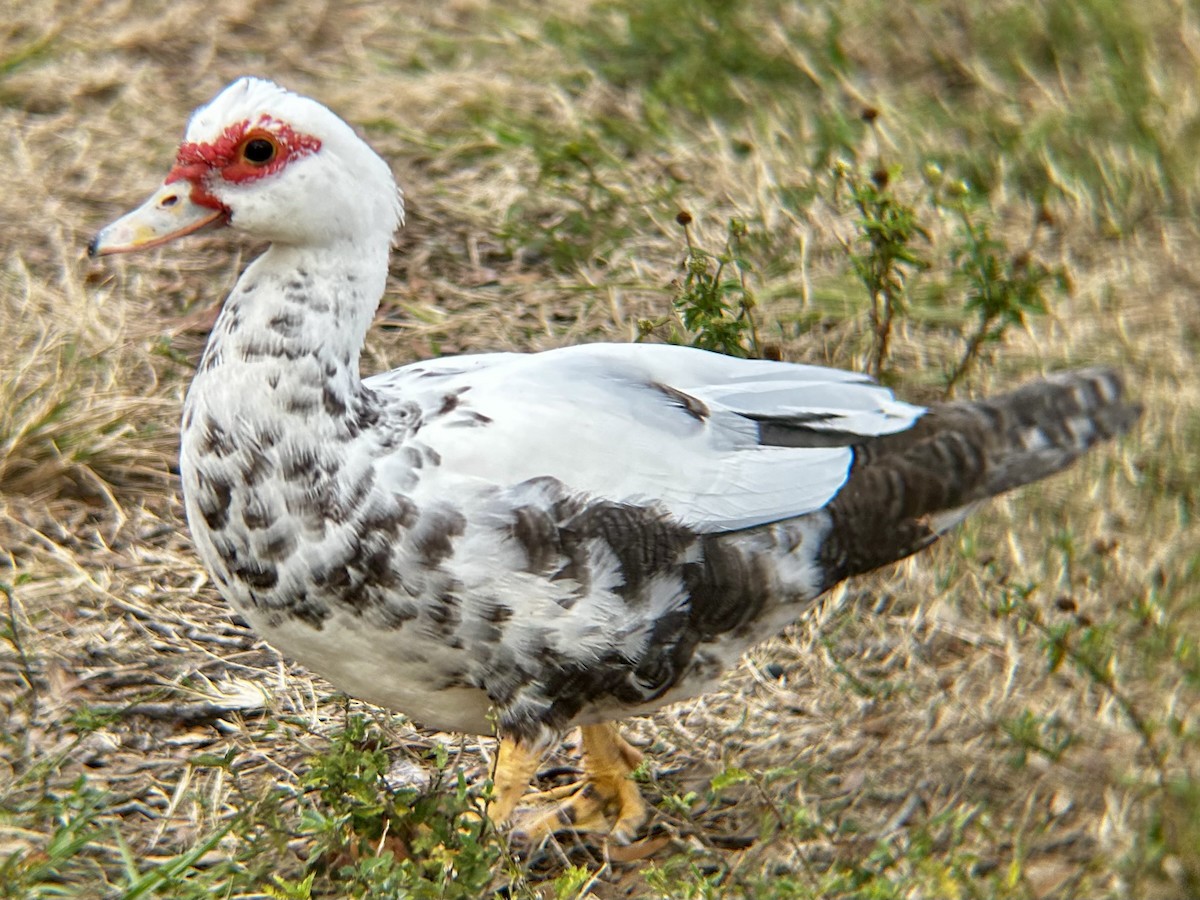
[[397, 669]]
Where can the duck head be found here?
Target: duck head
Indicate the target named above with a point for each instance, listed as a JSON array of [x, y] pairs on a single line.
[[273, 164]]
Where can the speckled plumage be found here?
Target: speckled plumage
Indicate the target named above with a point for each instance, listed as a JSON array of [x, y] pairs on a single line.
[[558, 538]]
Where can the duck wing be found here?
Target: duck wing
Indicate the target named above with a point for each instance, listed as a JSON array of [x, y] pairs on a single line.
[[717, 443]]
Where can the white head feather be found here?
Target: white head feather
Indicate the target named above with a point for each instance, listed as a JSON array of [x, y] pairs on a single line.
[[342, 191]]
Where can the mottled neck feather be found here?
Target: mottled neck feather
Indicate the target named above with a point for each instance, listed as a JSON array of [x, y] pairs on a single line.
[[289, 335]]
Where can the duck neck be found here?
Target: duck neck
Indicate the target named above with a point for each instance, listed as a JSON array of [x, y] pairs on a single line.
[[288, 339]]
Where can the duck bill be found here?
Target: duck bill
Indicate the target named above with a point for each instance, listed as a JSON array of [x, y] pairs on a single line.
[[170, 213]]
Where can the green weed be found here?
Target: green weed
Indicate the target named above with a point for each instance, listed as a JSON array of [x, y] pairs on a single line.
[[888, 228], [991, 282], [1003, 286], [713, 300], [378, 842], [70, 824], [1042, 735]]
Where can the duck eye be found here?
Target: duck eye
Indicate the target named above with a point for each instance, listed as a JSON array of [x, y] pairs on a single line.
[[258, 151]]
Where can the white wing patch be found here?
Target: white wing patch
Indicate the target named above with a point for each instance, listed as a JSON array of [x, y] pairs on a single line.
[[647, 424]]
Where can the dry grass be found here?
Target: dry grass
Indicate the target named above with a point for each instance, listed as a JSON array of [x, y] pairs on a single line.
[[542, 188]]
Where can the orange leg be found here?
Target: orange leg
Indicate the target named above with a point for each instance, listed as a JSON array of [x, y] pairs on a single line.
[[606, 801], [516, 764]]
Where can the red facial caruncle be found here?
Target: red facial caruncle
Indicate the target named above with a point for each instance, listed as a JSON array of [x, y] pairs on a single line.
[[243, 153]]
